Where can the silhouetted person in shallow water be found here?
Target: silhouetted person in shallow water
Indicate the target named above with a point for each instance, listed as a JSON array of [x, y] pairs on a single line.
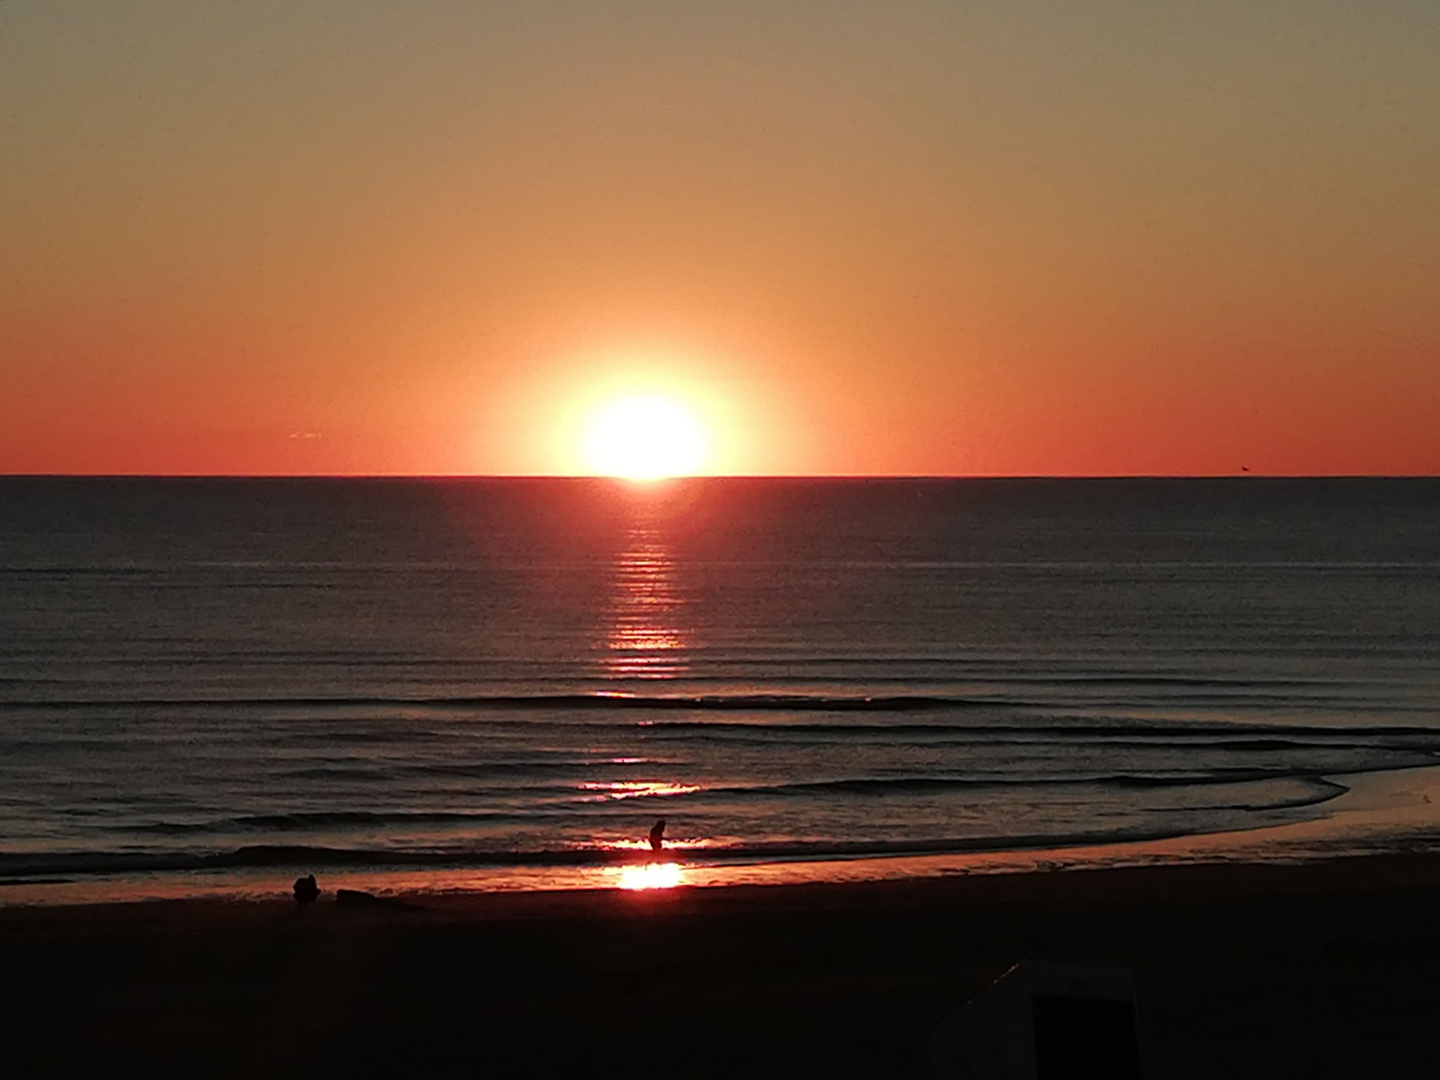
[[306, 891], [657, 835]]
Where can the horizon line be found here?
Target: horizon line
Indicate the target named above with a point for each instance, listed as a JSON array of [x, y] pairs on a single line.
[[1245, 475]]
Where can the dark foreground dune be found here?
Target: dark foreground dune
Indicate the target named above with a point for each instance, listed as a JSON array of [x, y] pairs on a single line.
[[1329, 969]]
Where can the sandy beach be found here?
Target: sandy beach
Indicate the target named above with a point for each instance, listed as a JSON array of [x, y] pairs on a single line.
[[1317, 969]]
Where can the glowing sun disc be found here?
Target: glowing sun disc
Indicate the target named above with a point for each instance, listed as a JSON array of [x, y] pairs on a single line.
[[645, 438]]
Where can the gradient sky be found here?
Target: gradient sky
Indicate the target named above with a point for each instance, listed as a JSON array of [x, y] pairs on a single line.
[[901, 237]]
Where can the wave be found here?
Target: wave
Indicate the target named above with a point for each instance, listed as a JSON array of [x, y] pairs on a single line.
[[1319, 788], [29, 867], [881, 786], [309, 821], [1199, 735], [285, 858], [474, 770], [614, 701], [596, 700]]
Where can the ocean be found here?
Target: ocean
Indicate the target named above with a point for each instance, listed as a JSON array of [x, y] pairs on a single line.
[[215, 685]]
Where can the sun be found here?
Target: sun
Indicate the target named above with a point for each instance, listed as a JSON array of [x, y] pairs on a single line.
[[645, 437]]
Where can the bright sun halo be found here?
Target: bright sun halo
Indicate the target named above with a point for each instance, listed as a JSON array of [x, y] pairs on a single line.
[[645, 438]]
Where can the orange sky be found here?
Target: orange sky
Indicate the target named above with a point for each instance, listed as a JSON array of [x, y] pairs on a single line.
[[913, 238]]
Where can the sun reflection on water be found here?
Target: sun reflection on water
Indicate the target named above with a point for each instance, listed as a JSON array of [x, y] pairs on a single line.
[[650, 876], [631, 789], [645, 639]]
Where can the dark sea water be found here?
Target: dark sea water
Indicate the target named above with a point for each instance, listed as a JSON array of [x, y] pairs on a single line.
[[217, 676]]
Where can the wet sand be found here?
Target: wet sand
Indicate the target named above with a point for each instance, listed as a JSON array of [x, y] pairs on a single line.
[[1323, 969]]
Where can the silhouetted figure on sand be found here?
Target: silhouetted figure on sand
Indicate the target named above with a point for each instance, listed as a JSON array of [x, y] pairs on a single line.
[[657, 835], [306, 891]]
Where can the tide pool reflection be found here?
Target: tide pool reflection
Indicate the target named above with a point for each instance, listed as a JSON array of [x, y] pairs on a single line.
[[646, 639], [651, 876]]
